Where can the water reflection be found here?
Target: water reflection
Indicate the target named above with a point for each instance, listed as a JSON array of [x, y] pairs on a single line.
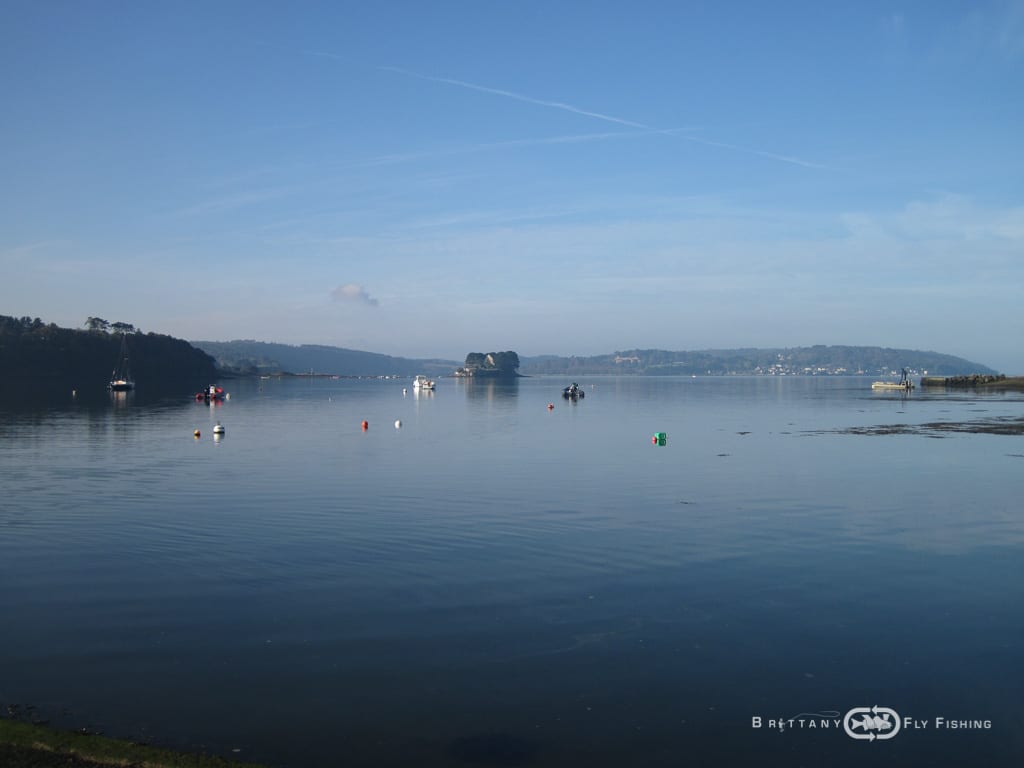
[[490, 389], [121, 399]]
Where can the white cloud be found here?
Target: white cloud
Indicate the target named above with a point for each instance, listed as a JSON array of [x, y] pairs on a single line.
[[353, 293]]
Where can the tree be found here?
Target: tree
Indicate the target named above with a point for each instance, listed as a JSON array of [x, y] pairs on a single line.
[[97, 324], [505, 361]]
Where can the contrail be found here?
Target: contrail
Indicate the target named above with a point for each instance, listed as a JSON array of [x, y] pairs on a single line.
[[745, 150], [587, 113], [517, 96], [599, 116]]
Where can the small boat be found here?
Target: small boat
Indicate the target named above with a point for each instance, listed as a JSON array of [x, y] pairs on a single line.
[[421, 382], [891, 385], [121, 377], [903, 384], [573, 391], [210, 394]]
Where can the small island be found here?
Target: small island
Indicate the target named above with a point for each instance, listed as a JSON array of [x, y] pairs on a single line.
[[492, 365]]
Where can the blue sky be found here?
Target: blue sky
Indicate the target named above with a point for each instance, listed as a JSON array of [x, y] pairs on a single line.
[[430, 179]]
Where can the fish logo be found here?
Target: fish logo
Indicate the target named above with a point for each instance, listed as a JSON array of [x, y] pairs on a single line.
[[870, 723]]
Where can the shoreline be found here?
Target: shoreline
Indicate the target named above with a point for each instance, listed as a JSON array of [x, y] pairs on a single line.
[[27, 745]]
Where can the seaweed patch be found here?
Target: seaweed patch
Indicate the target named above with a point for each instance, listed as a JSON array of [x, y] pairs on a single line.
[[995, 426]]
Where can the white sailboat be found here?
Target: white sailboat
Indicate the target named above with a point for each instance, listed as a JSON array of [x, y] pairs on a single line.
[[121, 377]]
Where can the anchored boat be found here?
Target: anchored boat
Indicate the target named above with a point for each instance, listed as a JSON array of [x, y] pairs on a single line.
[[573, 392], [903, 384], [121, 377], [211, 394], [422, 383]]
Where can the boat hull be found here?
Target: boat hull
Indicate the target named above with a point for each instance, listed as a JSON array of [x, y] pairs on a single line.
[[423, 383], [892, 385]]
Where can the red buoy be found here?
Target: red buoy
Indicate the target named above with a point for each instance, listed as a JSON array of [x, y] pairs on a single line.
[[366, 425]]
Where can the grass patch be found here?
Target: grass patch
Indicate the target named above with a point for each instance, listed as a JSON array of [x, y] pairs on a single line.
[[33, 746]]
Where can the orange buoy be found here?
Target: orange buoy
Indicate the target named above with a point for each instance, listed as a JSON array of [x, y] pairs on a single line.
[[366, 425], [196, 434], [551, 406]]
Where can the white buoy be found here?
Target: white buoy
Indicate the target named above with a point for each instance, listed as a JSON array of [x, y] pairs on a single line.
[[219, 429], [405, 391], [398, 423]]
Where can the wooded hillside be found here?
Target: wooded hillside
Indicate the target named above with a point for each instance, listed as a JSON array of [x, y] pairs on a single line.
[[34, 352]]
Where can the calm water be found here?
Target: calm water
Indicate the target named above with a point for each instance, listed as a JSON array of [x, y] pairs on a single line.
[[495, 583]]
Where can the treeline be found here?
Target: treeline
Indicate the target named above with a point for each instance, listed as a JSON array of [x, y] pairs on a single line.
[[36, 353], [816, 360]]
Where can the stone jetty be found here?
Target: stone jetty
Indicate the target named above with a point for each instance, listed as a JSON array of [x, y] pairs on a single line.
[[972, 381]]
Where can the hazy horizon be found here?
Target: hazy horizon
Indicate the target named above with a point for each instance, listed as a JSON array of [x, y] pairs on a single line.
[[527, 355], [424, 180]]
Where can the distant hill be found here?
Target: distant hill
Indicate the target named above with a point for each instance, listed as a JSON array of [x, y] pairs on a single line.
[[246, 357], [253, 357], [816, 360], [45, 354]]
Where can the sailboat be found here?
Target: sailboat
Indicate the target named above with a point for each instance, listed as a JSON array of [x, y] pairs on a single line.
[[121, 377]]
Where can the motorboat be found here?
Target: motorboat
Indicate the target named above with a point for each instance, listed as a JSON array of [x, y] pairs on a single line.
[[211, 394], [901, 385], [904, 384], [422, 383], [573, 392]]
